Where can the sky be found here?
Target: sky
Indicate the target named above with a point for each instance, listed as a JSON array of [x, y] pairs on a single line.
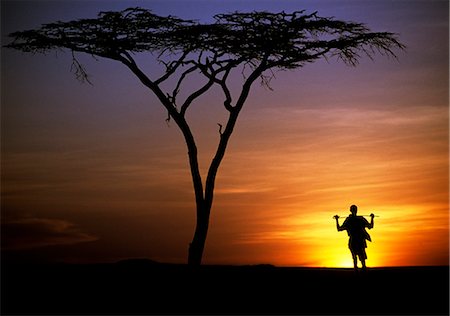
[[94, 173]]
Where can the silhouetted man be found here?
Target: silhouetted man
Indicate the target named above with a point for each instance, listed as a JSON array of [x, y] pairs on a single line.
[[356, 230]]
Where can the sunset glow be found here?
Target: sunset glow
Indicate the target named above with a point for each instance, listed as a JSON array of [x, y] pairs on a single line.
[[94, 173]]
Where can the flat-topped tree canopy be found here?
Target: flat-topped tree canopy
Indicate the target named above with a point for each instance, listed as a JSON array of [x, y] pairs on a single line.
[[283, 40], [133, 30]]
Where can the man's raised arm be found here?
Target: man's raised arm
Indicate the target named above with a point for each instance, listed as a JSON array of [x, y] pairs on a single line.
[[338, 227]]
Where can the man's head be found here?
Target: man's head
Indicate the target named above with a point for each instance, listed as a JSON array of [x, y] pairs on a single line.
[[353, 209]]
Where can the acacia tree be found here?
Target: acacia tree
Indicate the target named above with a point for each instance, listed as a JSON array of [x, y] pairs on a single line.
[[253, 43]]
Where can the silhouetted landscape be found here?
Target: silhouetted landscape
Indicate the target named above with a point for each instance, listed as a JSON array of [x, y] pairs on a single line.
[[147, 287]]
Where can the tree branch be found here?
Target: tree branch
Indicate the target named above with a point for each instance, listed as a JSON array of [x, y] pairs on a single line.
[[229, 65], [212, 76], [79, 70], [180, 80], [153, 87], [171, 68], [182, 124], [226, 134], [130, 59], [226, 91], [194, 96]]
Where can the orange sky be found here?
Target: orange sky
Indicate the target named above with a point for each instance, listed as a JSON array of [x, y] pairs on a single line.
[[94, 173]]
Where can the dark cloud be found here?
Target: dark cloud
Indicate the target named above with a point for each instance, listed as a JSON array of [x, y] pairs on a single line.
[[27, 233]]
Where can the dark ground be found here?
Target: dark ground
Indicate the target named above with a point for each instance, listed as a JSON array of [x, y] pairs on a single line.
[[144, 287]]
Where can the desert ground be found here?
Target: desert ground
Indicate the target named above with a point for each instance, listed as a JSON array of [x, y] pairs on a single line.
[[146, 287]]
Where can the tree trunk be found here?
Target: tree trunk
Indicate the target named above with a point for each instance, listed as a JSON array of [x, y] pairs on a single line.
[[197, 245], [203, 198]]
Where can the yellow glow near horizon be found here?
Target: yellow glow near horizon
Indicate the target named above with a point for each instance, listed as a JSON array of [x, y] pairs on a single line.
[[399, 237]]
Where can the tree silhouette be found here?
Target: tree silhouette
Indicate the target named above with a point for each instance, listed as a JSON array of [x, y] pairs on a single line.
[[254, 43]]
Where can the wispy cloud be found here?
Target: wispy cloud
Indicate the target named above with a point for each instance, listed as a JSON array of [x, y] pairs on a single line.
[[27, 233]]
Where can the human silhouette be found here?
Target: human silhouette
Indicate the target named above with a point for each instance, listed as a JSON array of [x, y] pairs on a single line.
[[356, 230]]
